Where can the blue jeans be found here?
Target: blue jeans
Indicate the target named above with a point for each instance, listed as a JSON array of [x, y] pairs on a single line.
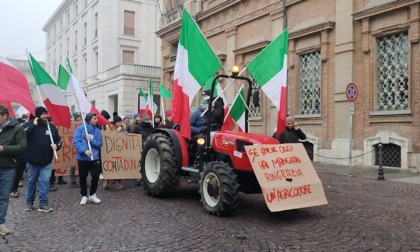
[[41, 174], [6, 181]]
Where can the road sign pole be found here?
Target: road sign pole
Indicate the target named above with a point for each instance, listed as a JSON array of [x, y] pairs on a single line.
[[351, 137]]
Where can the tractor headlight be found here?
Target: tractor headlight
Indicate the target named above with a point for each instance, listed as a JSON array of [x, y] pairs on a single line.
[[201, 141]]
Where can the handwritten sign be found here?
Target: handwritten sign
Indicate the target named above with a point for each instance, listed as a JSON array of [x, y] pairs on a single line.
[[286, 176], [121, 155], [67, 153]]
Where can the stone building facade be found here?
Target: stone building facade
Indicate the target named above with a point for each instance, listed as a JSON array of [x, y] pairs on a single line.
[[112, 47], [372, 43]]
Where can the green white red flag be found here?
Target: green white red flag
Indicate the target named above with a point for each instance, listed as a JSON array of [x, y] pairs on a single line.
[[195, 64], [237, 110], [143, 104], [269, 69], [51, 95], [164, 93], [68, 81]]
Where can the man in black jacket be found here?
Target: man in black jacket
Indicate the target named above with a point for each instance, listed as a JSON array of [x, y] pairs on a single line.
[[39, 155], [12, 144], [292, 133]]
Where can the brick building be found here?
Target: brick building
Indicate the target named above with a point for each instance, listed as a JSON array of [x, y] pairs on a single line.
[[373, 43]]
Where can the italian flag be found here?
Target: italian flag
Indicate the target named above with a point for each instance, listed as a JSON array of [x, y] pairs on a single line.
[[237, 110], [228, 123], [269, 69], [14, 86], [195, 64], [144, 106], [51, 95], [68, 81]]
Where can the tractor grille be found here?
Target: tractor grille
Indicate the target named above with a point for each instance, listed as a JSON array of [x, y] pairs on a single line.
[[391, 155], [240, 145]]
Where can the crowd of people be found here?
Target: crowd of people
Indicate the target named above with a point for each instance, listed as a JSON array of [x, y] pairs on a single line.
[[28, 145]]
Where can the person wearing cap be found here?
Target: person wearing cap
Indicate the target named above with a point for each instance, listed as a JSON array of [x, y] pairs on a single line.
[[39, 155], [136, 121], [12, 144], [117, 126], [88, 159], [198, 119], [168, 122], [144, 128], [292, 132]]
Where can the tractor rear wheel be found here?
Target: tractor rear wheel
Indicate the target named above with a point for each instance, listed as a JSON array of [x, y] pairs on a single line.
[[219, 189], [159, 169]]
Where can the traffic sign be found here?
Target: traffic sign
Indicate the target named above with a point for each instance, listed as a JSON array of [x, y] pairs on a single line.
[[351, 92]]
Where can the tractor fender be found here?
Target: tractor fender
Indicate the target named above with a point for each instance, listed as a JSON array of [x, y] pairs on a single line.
[[180, 145]]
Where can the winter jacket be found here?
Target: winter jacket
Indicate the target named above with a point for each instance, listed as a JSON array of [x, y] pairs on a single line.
[[39, 151], [13, 140], [197, 122], [291, 136], [145, 129], [81, 144]]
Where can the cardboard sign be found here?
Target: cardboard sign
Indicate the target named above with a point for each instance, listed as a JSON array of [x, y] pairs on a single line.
[[286, 175], [67, 153], [121, 154]]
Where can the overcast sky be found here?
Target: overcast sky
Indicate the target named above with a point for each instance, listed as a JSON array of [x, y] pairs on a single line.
[[21, 23]]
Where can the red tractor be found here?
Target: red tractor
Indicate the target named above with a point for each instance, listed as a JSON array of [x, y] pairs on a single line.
[[216, 160]]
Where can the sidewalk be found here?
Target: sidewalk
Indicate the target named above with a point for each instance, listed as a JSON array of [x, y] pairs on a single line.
[[392, 174]]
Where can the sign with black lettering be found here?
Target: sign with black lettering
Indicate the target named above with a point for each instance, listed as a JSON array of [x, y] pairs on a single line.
[[286, 175], [120, 155]]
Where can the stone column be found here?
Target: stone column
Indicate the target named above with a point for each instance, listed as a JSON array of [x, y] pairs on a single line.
[[344, 52]]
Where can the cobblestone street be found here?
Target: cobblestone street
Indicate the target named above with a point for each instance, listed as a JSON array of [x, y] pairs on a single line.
[[362, 215]]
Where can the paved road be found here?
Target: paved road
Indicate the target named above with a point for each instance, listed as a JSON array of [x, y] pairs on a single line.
[[362, 215]]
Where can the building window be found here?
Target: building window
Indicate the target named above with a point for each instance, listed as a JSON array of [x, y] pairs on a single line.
[[392, 72], [129, 23], [128, 57], [76, 10], [75, 41], [95, 28], [84, 33], [310, 83], [254, 103], [96, 66]]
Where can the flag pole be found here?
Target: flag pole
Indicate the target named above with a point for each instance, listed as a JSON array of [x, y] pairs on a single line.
[[40, 97]]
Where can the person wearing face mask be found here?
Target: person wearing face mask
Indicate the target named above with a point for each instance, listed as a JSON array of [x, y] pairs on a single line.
[[198, 119], [39, 155]]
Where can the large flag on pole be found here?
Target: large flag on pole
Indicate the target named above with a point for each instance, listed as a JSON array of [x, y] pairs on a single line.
[[237, 110], [150, 104], [51, 95], [195, 64], [269, 69], [228, 123], [14, 86], [85, 106]]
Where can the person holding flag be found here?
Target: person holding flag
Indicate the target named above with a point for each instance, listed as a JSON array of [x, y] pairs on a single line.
[[39, 155], [87, 141]]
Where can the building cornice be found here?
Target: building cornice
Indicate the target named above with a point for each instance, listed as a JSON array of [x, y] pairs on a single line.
[[328, 25], [382, 8], [251, 48], [57, 14]]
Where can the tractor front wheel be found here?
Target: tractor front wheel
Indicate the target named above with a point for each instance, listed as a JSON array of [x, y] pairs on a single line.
[[219, 189], [159, 168]]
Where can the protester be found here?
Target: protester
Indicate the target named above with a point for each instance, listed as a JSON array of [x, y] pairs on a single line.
[[117, 126], [157, 120], [292, 133], [39, 155], [168, 122], [12, 144], [136, 121], [20, 169], [88, 158], [198, 119], [126, 123], [144, 128]]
